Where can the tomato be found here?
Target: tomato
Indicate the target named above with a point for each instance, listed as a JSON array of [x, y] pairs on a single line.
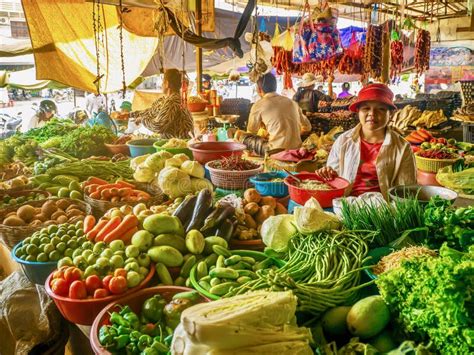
[[106, 281], [120, 272], [93, 282], [77, 290], [59, 287], [58, 274], [101, 293], [72, 274], [118, 285]]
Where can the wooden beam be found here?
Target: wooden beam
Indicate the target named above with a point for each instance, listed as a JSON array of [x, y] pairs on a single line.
[[198, 50], [471, 27]]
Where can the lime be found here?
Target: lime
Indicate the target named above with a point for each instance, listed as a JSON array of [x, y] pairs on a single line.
[[68, 252], [42, 257], [45, 240], [45, 235], [75, 195], [80, 225], [54, 255], [71, 233], [52, 228], [65, 261], [79, 232], [23, 257], [81, 240], [55, 241], [41, 247], [71, 227], [36, 241], [48, 248], [27, 241], [77, 252], [65, 238], [73, 244], [19, 252], [30, 258], [61, 231], [32, 249], [61, 247]]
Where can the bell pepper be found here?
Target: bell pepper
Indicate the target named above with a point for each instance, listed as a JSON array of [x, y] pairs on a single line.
[[116, 318], [124, 310], [144, 342], [121, 341], [173, 310], [135, 336], [152, 308], [160, 347], [106, 337], [132, 320]]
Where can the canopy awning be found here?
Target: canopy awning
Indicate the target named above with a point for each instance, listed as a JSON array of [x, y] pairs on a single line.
[[11, 47], [26, 80]]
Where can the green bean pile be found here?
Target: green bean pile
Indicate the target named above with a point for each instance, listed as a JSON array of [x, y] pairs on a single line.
[[322, 270]]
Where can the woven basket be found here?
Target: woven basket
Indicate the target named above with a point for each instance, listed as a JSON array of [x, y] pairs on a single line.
[[19, 193], [99, 207], [10, 236], [232, 180], [433, 165]]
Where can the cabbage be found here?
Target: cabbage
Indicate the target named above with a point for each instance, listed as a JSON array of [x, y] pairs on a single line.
[[173, 162], [193, 168], [156, 161], [174, 182], [277, 231], [135, 162], [311, 218], [201, 184], [181, 156], [144, 174]]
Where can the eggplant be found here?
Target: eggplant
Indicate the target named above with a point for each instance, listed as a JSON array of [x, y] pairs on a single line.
[[225, 230], [201, 209], [185, 209], [210, 220]]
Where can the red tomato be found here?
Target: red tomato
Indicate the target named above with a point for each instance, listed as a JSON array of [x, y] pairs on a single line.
[[60, 287], [118, 285], [120, 272], [106, 281], [72, 274], [58, 274], [77, 290], [93, 282], [101, 293]]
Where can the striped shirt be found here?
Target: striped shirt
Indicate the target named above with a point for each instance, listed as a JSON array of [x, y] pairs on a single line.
[[167, 117]]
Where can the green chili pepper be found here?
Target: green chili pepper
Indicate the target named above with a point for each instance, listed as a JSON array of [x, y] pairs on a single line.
[[121, 341], [152, 308], [149, 351], [116, 318], [122, 330], [132, 349], [144, 342], [132, 319], [105, 337], [159, 346], [135, 335], [124, 310], [168, 339]]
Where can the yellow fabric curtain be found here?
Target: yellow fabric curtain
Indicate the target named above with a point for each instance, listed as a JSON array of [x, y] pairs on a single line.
[[62, 35]]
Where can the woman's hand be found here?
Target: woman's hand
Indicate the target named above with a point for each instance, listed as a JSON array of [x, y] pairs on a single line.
[[327, 173]]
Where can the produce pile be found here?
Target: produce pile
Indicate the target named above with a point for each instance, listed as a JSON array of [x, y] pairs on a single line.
[[410, 116]]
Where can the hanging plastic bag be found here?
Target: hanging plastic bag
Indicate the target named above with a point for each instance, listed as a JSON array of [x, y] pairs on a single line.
[[325, 41], [276, 40], [288, 40], [300, 47]]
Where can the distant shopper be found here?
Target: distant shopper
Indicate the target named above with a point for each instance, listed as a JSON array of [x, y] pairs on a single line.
[[94, 104], [278, 115], [206, 82], [307, 97], [345, 91], [47, 109]]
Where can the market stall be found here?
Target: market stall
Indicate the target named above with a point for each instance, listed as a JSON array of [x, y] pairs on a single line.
[[216, 244]]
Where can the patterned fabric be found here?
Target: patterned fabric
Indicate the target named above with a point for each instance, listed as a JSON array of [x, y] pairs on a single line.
[[324, 42], [167, 117]]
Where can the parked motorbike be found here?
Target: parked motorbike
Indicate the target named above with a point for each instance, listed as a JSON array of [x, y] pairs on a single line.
[[9, 125]]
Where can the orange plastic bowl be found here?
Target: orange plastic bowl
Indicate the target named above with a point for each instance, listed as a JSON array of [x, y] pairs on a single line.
[[197, 106], [324, 197], [118, 149], [84, 311], [135, 302]]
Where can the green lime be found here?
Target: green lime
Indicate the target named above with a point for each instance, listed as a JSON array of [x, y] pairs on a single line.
[[45, 235], [23, 257], [65, 238], [81, 240], [65, 261], [52, 228], [61, 247], [92, 258], [30, 258], [48, 248], [80, 225], [42, 257], [54, 255], [19, 252], [72, 233], [27, 241], [71, 227], [41, 247], [36, 241], [73, 244], [87, 245], [32, 249], [45, 240], [79, 232], [68, 252], [61, 231], [86, 253], [77, 252], [75, 195], [55, 241]]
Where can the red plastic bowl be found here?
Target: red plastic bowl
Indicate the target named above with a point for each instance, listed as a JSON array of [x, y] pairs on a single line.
[[324, 198], [197, 106], [208, 151], [135, 302], [84, 311]]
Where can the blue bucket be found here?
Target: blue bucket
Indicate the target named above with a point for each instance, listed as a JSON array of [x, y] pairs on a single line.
[[37, 272], [140, 147], [265, 187]]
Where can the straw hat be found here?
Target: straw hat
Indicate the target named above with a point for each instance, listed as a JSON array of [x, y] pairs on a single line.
[[308, 80]]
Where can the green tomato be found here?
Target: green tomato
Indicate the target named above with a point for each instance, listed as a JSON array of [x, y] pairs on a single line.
[[87, 245], [66, 261], [80, 262], [54, 255], [86, 253], [133, 279], [73, 244], [91, 270], [143, 271], [61, 247], [42, 257], [132, 251], [120, 253], [68, 252], [132, 267], [32, 249], [131, 260], [117, 261], [144, 260], [91, 259], [103, 264], [107, 253], [117, 245], [77, 252]]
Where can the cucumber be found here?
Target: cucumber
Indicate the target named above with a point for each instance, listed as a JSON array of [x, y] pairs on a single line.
[[202, 270], [215, 281], [64, 180], [188, 283], [163, 274], [187, 266], [220, 261], [171, 240], [244, 279], [225, 273], [180, 281], [205, 285], [234, 259], [249, 260], [214, 240], [189, 295], [240, 266], [222, 289], [211, 259], [221, 251], [248, 273]]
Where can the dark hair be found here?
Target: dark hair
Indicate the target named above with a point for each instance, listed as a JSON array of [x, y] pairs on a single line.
[[346, 86], [206, 77], [173, 77], [267, 83]]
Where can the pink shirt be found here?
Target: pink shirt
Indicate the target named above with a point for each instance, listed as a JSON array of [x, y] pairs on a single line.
[[366, 179]]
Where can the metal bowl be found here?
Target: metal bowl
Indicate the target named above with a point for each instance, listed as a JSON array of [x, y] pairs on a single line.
[[226, 118], [422, 193]]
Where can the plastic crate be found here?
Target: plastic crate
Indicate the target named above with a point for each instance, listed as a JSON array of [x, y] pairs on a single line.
[[468, 132]]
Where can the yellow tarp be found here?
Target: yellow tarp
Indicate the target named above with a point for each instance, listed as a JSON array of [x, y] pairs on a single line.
[[144, 99], [62, 35]]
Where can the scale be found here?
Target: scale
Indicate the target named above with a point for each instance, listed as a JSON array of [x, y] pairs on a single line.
[[228, 129]]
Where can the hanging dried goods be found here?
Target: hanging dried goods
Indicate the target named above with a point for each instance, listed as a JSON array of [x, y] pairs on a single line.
[[464, 114], [422, 51], [396, 58], [373, 51]]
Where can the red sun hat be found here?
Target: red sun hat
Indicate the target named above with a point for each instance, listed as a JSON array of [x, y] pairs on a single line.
[[374, 92]]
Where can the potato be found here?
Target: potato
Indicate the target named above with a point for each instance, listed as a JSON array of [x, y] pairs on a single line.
[[280, 209], [57, 214], [251, 208], [13, 221], [268, 201], [49, 208], [76, 219], [48, 223], [263, 214], [74, 213], [41, 217], [72, 207], [36, 223], [249, 221], [11, 214], [63, 204], [62, 219], [26, 213], [251, 195]]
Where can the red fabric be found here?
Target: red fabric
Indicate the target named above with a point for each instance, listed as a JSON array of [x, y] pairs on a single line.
[[374, 92], [294, 155], [366, 179]]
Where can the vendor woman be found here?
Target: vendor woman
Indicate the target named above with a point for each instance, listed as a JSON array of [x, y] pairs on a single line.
[[371, 156]]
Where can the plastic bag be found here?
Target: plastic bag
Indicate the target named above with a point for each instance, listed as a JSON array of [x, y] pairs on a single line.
[[300, 45], [462, 181], [276, 40], [288, 41]]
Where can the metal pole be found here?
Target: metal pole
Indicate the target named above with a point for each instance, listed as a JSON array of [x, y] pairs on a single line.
[[198, 50]]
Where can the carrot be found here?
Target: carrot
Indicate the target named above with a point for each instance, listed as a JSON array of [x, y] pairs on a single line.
[[127, 236], [95, 180], [115, 199], [95, 195], [128, 222], [124, 184], [89, 223], [125, 191], [106, 194], [110, 226], [91, 188], [93, 232], [114, 191], [105, 187]]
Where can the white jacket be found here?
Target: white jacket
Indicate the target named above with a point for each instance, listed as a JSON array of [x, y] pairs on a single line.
[[395, 163]]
